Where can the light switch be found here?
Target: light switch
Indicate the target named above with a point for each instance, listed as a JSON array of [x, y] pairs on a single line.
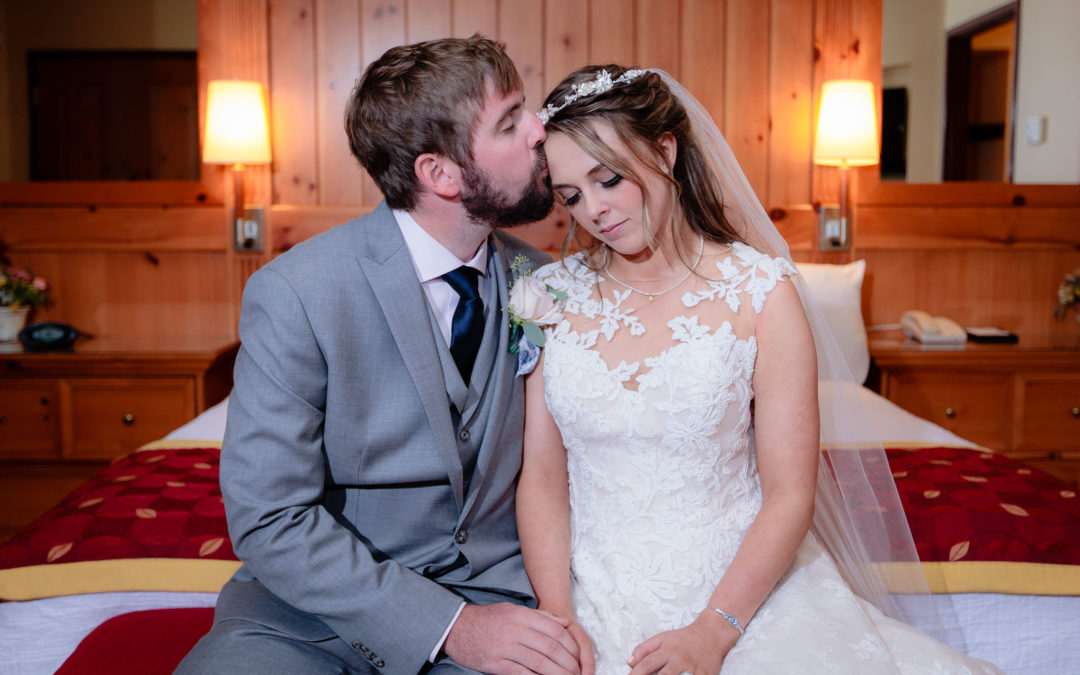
[[1035, 130]]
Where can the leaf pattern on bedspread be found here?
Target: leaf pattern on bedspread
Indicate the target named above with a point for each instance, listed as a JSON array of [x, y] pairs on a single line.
[[162, 503], [972, 505]]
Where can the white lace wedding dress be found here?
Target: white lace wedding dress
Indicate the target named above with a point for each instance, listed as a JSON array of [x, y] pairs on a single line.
[[656, 420]]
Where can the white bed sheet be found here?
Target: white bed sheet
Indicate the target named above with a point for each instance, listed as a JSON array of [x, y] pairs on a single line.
[[31, 644], [1022, 635]]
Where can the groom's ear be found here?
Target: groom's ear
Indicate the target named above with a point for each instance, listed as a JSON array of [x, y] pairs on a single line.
[[438, 173]]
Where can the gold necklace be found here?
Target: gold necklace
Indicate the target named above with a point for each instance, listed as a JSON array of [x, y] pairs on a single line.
[[650, 296]]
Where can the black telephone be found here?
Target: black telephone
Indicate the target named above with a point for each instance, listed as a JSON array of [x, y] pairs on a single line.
[[48, 336]]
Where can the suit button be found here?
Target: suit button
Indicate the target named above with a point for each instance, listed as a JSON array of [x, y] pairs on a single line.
[[378, 663], [356, 646], [461, 537], [463, 434]]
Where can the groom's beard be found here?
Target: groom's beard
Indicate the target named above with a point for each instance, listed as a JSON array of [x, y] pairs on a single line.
[[486, 204]]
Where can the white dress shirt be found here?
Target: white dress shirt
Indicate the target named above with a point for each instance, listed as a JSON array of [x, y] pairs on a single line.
[[432, 260]]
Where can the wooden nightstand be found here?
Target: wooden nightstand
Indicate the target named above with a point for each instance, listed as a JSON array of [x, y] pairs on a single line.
[[64, 415], [1022, 399]]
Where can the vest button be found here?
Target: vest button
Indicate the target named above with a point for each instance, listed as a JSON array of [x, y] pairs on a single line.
[[463, 435], [461, 537]]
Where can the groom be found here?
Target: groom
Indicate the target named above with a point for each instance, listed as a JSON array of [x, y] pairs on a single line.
[[375, 428]]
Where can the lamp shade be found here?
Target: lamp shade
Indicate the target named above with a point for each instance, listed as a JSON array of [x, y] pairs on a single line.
[[847, 125], [236, 129]]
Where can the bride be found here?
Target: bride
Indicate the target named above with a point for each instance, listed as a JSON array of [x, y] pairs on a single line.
[[673, 505]]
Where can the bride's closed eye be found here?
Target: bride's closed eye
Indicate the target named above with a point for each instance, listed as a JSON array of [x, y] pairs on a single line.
[[575, 197]]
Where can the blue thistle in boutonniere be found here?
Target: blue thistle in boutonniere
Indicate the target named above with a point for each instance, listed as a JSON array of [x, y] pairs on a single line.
[[531, 306]]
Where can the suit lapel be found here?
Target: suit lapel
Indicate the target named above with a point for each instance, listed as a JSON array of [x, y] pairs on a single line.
[[389, 269]]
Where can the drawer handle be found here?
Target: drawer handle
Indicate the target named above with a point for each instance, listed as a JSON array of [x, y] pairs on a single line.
[[1075, 413], [128, 419], [950, 412]]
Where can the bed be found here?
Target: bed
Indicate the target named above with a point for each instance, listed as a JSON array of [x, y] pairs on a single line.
[[122, 575]]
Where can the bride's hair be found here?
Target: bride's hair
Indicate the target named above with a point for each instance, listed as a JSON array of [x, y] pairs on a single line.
[[642, 111]]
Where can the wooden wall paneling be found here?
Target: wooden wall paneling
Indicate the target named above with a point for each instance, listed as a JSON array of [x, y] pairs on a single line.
[[797, 224], [942, 227], [611, 32], [130, 229], [746, 113], [657, 34], [1012, 289], [790, 94], [473, 16], [111, 192], [292, 101], [520, 26], [294, 224], [566, 42], [427, 19], [337, 65], [117, 292], [701, 55]]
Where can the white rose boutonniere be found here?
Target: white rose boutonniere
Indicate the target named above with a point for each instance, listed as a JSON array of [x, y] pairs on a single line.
[[531, 306]]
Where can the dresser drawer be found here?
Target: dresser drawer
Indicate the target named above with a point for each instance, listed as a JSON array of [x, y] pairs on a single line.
[[1050, 418], [973, 406], [29, 419], [111, 417]]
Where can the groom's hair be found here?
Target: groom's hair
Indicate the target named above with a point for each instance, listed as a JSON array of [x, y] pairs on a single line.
[[419, 98]]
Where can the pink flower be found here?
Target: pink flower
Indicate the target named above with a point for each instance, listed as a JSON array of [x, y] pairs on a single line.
[[40, 284]]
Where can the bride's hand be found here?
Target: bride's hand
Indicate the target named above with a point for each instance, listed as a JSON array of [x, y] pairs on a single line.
[[698, 649], [585, 652], [586, 660]]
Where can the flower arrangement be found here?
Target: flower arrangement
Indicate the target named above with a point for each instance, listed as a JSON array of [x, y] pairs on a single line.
[[19, 288], [531, 306], [1068, 293]]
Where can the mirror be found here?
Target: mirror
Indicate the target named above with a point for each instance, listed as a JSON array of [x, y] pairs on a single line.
[[58, 138], [1013, 118]]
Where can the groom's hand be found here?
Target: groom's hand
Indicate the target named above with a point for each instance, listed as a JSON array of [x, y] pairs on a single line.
[[511, 639]]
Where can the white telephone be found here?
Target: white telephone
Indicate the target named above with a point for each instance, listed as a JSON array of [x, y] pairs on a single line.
[[932, 330]]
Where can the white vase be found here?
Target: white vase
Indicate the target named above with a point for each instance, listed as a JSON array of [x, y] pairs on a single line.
[[11, 322]]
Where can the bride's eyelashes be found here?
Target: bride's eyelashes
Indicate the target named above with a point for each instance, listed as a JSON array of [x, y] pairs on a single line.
[[574, 198]]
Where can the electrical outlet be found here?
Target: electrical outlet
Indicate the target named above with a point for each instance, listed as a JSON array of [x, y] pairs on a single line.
[[249, 231], [833, 230]]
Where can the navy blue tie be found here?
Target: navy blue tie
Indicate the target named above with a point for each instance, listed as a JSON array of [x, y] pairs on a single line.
[[468, 327]]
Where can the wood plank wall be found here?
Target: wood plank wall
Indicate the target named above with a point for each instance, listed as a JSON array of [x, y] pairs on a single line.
[[156, 259], [317, 48]]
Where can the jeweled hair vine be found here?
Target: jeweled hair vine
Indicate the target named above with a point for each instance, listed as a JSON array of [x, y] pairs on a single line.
[[602, 84]]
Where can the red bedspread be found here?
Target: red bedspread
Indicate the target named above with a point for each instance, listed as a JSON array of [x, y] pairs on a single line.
[[964, 504], [149, 504], [154, 520]]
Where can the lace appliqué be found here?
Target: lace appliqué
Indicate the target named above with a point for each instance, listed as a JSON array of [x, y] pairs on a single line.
[[755, 276]]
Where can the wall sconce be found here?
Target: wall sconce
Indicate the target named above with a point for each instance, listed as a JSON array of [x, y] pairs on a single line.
[[847, 136], [236, 134]]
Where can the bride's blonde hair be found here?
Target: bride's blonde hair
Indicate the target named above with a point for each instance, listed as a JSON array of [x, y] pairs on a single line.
[[642, 111]]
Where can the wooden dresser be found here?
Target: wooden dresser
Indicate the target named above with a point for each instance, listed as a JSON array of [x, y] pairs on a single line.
[[1022, 399], [64, 415]]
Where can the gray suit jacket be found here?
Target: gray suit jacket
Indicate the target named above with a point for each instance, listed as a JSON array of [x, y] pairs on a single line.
[[341, 466]]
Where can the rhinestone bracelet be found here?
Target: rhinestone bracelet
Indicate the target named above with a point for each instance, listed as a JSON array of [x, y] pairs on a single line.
[[729, 618]]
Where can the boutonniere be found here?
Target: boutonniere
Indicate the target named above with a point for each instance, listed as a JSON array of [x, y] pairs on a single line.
[[531, 306]]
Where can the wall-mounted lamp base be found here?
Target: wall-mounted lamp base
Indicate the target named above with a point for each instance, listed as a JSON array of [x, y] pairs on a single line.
[[248, 231], [833, 230]]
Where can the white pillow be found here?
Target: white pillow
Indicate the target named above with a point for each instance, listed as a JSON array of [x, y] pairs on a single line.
[[837, 291]]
